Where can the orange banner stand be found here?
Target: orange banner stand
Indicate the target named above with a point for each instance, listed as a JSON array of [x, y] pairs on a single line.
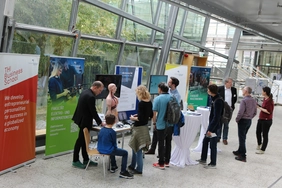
[[18, 93]]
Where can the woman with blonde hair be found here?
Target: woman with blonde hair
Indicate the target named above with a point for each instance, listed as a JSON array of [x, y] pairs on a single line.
[[140, 137]]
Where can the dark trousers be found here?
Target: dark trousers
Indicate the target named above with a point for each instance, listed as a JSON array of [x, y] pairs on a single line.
[[213, 146], [243, 127], [154, 140], [263, 127], [164, 144], [80, 143]]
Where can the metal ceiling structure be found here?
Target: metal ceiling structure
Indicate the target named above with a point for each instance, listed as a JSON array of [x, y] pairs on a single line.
[[261, 17]]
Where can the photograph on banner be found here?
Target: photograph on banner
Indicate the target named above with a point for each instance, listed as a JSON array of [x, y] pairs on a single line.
[[179, 72], [198, 83], [64, 87], [131, 77], [18, 91]]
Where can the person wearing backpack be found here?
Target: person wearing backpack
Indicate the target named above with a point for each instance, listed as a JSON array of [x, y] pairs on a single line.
[[214, 122], [163, 128], [229, 94], [172, 84]]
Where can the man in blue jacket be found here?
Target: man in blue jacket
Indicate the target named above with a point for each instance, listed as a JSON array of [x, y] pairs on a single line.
[[214, 122]]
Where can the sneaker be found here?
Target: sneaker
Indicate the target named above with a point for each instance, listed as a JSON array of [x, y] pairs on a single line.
[[240, 158], [150, 152], [130, 168], [113, 169], [126, 175], [166, 165], [235, 153], [258, 147], [201, 161], [157, 165], [92, 163], [210, 166], [78, 164], [260, 152]]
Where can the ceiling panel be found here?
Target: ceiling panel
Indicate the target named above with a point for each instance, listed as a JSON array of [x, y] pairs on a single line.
[[264, 16]]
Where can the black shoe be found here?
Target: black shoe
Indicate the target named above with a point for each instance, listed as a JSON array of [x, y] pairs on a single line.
[[201, 161], [240, 158], [150, 152], [113, 169], [126, 175], [130, 168], [235, 153]]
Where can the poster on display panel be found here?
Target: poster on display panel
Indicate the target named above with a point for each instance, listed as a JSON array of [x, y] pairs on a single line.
[[131, 78], [18, 91], [179, 72], [64, 86], [198, 83]]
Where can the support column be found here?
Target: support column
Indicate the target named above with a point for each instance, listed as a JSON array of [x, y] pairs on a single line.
[[232, 52], [167, 39], [205, 31], [2, 7]]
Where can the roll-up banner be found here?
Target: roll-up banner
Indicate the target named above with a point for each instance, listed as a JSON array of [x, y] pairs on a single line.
[[131, 78], [198, 86], [64, 88], [18, 93]]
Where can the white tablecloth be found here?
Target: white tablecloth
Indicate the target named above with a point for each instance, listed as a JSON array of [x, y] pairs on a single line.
[[204, 125], [180, 155]]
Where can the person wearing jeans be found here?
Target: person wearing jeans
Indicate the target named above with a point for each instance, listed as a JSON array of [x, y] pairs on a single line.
[[244, 118], [214, 121], [140, 138], [107, 144]]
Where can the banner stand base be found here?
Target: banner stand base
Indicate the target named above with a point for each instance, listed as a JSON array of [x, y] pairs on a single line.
[[13, 169], [57, 154]]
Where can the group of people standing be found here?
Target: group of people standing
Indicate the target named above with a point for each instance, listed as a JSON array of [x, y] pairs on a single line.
[[162, 134], [140, 139], [247, 111]]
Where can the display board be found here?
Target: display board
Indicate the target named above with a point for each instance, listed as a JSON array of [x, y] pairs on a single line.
[[61, 131], [198, 83], [18, 93]]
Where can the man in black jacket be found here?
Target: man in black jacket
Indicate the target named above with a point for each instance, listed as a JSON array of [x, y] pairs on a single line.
[[214, 122], [83, 116], [229, 94]]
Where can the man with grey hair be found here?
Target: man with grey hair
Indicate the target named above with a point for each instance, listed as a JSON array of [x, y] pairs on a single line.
[[229, 94], [244, 118]]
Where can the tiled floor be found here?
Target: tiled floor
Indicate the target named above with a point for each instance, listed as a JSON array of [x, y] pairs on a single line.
[[259, 170]]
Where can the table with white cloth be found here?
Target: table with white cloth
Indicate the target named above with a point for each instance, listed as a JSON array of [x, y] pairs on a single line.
[[180, 156], [205, 111]]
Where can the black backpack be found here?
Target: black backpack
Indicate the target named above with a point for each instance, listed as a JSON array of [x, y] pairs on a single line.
[[173, 112], [227, 111]]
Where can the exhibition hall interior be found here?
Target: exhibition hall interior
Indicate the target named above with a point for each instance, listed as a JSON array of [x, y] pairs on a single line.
[[131, 43]]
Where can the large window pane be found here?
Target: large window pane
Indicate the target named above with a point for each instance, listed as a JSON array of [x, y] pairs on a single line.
[[93, 20], [43, 45], [100, 58], [194, 27], [135, 32], [45, 13], [138, 56]]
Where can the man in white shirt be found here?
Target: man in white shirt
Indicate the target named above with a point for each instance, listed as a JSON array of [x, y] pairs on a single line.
[[229, 94]]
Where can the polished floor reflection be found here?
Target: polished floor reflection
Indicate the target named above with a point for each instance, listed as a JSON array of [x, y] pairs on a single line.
[[259, 170]]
